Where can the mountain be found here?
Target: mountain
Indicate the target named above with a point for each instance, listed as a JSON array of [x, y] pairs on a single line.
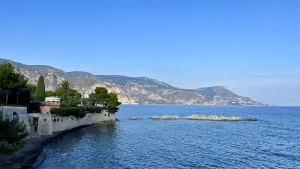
[[151, 91], [132, 90]]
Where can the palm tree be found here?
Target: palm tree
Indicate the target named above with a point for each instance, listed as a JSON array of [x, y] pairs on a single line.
[[66, 86]]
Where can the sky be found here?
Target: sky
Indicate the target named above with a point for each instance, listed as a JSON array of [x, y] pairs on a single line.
[[250, 46]]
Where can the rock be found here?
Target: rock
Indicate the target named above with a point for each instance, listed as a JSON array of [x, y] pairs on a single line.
[[166, 117], [249, 119], [132, 118], [203, 117], [155, 117]]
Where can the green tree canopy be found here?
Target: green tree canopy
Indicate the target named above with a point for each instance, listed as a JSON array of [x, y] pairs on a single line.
[[100, 96], [108, 100], [69, 96], [50, 93], [40, 93], [13, 86], [31, 88], [65, 88]]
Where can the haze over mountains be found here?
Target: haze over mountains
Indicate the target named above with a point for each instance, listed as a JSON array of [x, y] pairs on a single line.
[[132, 90]]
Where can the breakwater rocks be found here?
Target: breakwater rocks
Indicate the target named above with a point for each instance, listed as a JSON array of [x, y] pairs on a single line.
[[202, 117]]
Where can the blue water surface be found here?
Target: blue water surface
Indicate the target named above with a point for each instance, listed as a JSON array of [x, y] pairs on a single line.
[[272, 142]]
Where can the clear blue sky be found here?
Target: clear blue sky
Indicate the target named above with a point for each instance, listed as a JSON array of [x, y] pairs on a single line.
[[250, 46]]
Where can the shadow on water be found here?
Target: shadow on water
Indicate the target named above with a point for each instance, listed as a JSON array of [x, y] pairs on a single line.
[[79, 142]]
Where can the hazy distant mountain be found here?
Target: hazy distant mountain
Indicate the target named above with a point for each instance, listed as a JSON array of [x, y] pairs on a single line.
[[132, 90], [149, 91]]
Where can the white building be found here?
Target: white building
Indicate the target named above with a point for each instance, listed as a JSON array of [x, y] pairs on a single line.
[[53, 99]]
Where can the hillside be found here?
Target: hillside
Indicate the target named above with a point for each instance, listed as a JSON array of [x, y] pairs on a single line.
[[132, 90]]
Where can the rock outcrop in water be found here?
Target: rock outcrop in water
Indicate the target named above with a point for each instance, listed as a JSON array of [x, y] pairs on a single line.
[[202, 117], [132, 118]]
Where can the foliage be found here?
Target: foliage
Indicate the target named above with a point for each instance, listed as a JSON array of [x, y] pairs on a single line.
[[50, 93], [76, 111], [34, 107], [108, 100], [100, 96], [70, 97], [12, 134], [13, 86], [32, 88], [40, 94], [113, 103], [65, 87], [87, 102]]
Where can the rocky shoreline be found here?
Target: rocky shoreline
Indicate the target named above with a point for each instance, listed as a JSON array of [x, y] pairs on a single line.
[[202, 117], [26, 156]]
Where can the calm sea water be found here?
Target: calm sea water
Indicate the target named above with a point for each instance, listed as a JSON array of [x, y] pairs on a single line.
[[273, 142]]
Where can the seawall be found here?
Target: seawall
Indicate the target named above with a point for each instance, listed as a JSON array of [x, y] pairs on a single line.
[[48, 128], [50, 123]]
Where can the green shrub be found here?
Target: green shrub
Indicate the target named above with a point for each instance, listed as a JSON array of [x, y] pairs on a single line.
[[76, 111], [12, 134]]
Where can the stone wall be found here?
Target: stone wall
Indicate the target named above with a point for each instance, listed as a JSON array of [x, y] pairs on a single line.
[[60, 123], [46, 124], [9, 110]]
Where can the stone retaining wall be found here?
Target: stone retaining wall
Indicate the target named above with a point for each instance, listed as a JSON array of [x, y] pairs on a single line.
[[47, 124], [8, 111], [60, 123]]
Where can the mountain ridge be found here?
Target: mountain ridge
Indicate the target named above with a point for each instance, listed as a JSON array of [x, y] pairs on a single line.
[[132, 90]]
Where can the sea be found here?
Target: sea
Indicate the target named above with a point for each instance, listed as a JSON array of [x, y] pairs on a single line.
[[271, 142]]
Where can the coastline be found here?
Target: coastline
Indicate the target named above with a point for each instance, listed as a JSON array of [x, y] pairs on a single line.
[[27, 155]]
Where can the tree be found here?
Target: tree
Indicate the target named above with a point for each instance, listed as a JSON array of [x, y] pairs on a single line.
[[50, 93], [31, 88], [87, 102], [69, 96], [40, 93], [13, 86], [108, 100], [12, 134], [100, 96], [113, 100], [65, 87], [72, 99], [113, 103]]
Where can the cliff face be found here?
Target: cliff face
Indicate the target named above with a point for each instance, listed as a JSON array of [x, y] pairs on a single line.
[[131, 90]]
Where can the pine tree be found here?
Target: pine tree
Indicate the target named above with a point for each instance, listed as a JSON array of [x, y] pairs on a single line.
[[13, 86], [12, 134], [40, 93]]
